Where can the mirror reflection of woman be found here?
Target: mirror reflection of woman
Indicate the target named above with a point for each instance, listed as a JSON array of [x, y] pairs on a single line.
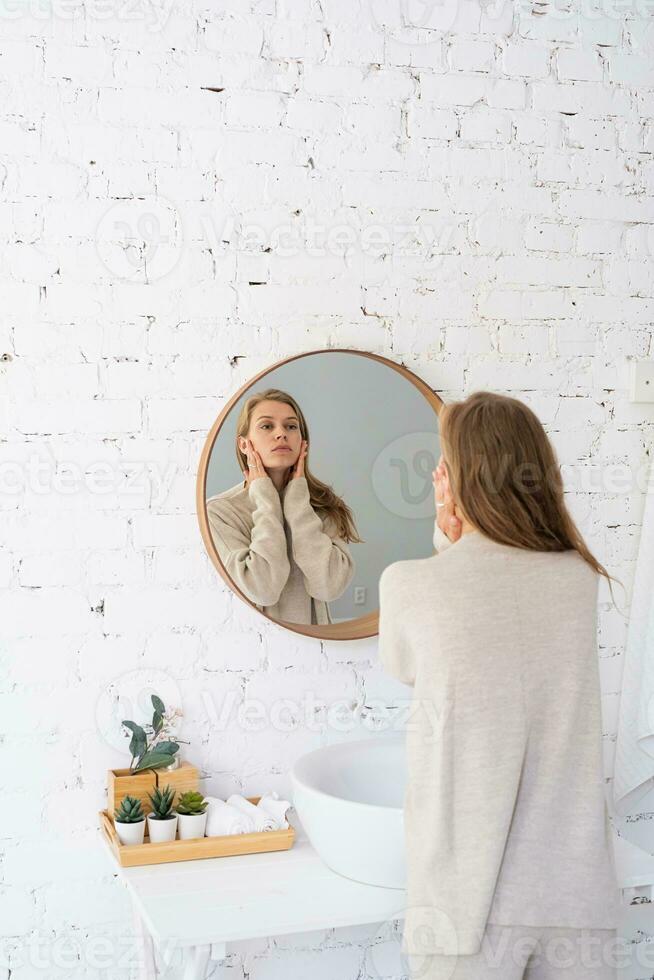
[[282, 535]]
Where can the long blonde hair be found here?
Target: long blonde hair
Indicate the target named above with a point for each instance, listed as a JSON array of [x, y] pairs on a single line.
[[504, 474], [323, 499]]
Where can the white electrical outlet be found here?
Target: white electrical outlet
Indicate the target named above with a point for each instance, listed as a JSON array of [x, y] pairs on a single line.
[[642, 381], [360, 595]]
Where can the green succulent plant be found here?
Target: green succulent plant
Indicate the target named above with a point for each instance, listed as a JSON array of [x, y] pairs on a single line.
[[162, 803], [191, 803], [129, 811]]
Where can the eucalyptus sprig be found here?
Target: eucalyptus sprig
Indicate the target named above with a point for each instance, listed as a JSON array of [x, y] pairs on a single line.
[[151, 746]]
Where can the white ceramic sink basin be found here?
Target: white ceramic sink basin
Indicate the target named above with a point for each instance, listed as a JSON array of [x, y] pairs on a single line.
[[350, 800]]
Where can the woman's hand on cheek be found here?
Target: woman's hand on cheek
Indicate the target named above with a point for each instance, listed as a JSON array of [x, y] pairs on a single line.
[[298, 469], [256, 469], [446, 517]]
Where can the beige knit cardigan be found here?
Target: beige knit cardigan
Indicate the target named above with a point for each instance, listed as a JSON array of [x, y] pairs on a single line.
[[505, 813], [282, 555]]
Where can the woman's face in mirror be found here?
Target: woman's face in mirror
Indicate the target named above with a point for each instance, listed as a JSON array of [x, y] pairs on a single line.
[[275, 434]]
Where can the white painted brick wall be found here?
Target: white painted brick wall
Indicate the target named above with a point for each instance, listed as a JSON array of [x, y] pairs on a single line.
[[516, 138]]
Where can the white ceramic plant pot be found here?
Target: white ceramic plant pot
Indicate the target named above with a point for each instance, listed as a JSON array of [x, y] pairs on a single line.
[[191, 825], [161, 830], [130, 833]]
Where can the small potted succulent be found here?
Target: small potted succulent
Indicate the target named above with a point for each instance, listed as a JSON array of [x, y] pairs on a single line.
[[162, 822], [129, 821], [192, 815]]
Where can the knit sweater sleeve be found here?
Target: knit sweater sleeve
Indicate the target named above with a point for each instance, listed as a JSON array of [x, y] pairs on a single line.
[[322, 556], [440, 540], [465, 752], [256, 561], [394, 653], [467, 765]]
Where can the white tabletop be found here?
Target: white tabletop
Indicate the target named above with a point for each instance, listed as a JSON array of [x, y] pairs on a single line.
[[217, 900]]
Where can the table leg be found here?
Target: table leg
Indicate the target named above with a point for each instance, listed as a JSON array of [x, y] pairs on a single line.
[[197, 962], [218, 951], [147, 969]]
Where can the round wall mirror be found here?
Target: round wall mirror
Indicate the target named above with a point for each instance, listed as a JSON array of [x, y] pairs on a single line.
[[316, 475]]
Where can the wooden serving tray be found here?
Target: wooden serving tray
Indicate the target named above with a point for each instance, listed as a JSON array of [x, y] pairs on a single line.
[[129, 855]]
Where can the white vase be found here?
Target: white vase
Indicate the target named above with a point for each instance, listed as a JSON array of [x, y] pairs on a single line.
[[130, 833], [161, 830], [191, 825]]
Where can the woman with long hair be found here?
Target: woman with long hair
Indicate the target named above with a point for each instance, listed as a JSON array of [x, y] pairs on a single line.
[[282, 535], [507, 833]]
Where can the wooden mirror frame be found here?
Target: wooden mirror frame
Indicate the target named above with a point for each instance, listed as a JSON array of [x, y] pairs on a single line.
[[353, 629]]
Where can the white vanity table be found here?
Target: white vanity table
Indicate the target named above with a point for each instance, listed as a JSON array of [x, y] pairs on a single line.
[[202, 906]]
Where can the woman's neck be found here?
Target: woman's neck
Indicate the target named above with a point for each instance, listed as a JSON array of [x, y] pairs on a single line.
[[279, 478], [466, 526]]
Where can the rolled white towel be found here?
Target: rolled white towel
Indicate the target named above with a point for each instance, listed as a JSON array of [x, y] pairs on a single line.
[[276, 808], [260, 818], [223, 819]]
